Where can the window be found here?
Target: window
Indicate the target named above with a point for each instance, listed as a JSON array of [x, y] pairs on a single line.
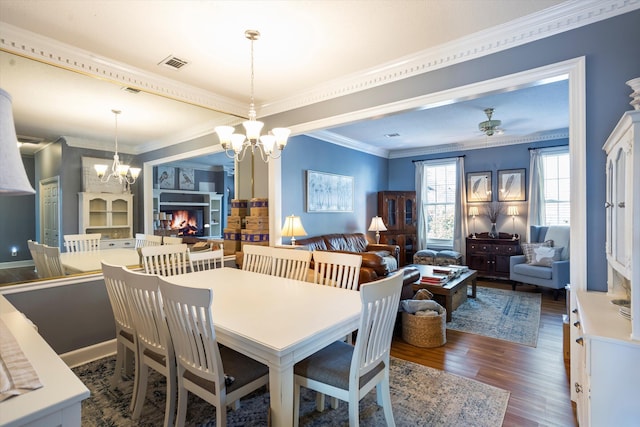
[[439, 202], [557, 179]]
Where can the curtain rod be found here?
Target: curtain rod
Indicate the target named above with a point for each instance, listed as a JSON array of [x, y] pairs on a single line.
[[438, 158], [551, 146]]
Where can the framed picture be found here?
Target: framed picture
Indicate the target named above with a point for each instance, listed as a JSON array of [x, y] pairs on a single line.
[[166, 177], [186, 179], [511, 185], [327, 192], [479, 187]]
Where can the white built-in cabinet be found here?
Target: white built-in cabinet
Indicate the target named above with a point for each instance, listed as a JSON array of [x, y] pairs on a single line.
[[110, 214], [608, 348], [215, 215]]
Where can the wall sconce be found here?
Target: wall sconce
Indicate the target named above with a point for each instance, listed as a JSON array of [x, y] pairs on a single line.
[[377, 225], [474, 212], [513, 211], [293, 227]]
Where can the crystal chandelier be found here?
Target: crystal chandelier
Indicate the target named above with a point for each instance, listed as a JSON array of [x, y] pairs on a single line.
[[123, 173], [236, 145]]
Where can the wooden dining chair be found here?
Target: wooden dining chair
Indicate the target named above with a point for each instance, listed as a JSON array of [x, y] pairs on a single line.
[[165, 260], [349, 372], [257, 258], [170, 240], [82, 242], [290, 263], [217, 374], [37, 253], [53, 261], [126, 344], [206, 260], [155, 348], [336, 269], [143, 240]]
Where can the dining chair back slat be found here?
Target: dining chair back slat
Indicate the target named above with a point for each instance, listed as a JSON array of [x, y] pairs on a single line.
[[200, 360], [53, 261], [155, 348], [165, 260], [257, 258], [206, 260], [290, 263], [82, 242], [336, 269], [171, 240], [355, 370], [37, 253], [143, 240], [114, 280]]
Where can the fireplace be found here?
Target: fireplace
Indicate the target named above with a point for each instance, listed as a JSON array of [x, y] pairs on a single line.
[[187, 221]]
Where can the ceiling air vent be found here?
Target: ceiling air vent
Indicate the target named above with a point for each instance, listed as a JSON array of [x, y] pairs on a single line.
[[130, 89], [173, 62], [29, 139]]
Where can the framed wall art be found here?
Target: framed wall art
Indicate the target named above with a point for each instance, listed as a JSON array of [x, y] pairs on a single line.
[[327, 192], [511, 185], [166, 177], [479, 187], [187, 179]]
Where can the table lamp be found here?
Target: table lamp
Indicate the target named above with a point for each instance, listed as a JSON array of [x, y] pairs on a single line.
[[377, 225], [293, 227], [473, 212], [513, 211]]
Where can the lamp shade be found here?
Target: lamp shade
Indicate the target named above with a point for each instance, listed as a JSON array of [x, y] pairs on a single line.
[[13, 178], [293, 227], [513, 211], [473, 211], [377, 224]]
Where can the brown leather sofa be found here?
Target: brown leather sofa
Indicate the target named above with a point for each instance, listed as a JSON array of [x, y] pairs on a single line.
[[378, 260]]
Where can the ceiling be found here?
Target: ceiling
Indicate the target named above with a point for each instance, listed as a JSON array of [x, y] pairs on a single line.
[[305, 46]]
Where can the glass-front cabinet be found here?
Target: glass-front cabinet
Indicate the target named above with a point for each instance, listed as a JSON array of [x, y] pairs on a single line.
[[108, 214], [398, 212]]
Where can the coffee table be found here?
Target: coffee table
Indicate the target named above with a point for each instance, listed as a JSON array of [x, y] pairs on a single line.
[[451, 294]]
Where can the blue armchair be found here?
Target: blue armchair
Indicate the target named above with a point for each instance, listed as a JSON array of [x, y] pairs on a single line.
[[555, 277]]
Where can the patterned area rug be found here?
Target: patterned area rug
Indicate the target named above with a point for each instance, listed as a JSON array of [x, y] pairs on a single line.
[[503, 314], [420, 396]]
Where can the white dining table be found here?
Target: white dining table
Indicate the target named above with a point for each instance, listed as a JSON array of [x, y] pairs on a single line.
[[275, 321], [83, 262]]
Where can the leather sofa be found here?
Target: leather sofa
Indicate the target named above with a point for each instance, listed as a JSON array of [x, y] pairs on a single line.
[[378, 260]]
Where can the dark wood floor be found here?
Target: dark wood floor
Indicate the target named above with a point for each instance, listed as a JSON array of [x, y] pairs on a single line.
[[17, 274], [537, 378]]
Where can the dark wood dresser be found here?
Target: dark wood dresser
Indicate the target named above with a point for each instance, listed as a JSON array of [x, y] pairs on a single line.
[[490, 257]]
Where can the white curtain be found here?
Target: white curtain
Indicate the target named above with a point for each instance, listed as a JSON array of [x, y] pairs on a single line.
[[536, 214], [460, 221]]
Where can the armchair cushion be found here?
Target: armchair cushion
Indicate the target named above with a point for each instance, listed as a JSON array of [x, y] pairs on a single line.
[[529, 250]]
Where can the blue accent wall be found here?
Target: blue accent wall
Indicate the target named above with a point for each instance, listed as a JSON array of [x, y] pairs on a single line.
[[369, 172]]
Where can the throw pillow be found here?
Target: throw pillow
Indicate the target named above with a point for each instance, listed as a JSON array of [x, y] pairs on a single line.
[[528, 249], [545, 256]]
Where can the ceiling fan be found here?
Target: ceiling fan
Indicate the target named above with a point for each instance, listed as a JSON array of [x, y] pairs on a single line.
[[490, 127]]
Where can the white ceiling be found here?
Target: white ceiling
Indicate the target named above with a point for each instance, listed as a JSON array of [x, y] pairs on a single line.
[[305, 45]]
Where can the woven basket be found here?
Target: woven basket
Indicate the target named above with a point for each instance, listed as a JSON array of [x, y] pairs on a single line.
[[424, 331]]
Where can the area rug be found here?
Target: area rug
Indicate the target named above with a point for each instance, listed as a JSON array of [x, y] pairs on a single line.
[[502, 314], [420, 396]]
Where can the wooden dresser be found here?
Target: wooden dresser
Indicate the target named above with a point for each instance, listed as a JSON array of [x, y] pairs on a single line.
[[490, 257]]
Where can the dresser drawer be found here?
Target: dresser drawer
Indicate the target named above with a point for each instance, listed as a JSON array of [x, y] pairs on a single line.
[[507, 249]]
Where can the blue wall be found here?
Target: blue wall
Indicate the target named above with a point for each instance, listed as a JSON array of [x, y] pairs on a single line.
[[369, 172], [612, 58]]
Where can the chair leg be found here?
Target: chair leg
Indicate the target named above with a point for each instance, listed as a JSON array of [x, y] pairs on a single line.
[[296, 405], [183, 396], [319, 401], [384, 400], [142, 376], [556, 294], [170, 404], [117, 372], [513, 285]]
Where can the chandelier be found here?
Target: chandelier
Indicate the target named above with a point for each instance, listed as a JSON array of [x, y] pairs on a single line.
[[236, 145], [489, 126], [119, 171]]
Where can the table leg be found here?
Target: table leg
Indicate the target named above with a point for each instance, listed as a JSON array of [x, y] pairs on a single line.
[[448, 305], [281, 395], [473, 287]]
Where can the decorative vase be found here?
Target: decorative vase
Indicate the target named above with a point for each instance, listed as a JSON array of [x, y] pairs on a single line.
[[494, 232]]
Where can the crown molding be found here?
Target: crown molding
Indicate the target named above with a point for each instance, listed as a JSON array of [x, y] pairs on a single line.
[[49, 51], [554, 20]]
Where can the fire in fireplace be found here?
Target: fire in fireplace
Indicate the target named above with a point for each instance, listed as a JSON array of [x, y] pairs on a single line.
[[187, 222]]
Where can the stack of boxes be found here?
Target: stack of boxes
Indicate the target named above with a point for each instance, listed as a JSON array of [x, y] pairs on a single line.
[[235, 224], [256, 230], [247, 224]]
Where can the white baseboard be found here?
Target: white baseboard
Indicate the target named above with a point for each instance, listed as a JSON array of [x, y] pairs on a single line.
[[88, 354], [16, 264]]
